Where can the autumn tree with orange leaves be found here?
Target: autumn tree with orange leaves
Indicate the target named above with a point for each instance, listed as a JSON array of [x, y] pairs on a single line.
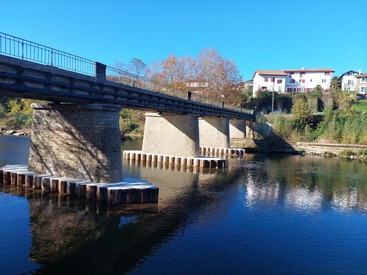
[[209, 75]]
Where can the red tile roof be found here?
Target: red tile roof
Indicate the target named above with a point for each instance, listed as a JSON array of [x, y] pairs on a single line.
[[284, 72], [269, 72], [322, 70], [360, 75]]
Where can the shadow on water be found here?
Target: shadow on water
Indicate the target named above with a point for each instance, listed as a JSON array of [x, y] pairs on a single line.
[[81, 236]]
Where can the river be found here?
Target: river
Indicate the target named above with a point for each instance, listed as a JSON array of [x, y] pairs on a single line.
[[271, 214]]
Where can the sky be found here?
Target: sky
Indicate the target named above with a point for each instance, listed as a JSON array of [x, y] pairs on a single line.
[[255, 34]]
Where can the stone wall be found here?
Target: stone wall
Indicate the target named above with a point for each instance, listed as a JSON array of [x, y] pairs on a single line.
[[76, 141]]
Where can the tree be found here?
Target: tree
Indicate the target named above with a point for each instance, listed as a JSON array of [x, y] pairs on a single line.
[[136, 66], [208, 75], [301, 113], [220, 75], [335, 83]]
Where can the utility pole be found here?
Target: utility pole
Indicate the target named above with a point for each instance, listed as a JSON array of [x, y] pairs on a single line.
[[272, 99]]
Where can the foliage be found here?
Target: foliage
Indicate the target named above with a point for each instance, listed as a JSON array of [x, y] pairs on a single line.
[[360, 105], [335, 83], [301, 113], [2, 111], [208, 75], [16, 113], [131, 122], [282, 126]]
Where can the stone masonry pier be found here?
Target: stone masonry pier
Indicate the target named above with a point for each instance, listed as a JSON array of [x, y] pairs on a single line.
[[76, 141]]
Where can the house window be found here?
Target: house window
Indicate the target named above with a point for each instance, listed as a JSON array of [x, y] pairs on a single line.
[[310, 80], [350, 82], [363, 90], [292, 80], [323, 81], [301, 74], [279, 81], [363, 79], [303, 81], [272, 79], [327, 73], [265, 79]]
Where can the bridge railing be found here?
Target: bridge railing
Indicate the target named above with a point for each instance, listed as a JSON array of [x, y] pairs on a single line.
[[21, 48], [24, 49]]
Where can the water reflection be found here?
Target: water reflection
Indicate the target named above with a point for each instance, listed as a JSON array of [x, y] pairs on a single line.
[[80, 236], [307, 183]]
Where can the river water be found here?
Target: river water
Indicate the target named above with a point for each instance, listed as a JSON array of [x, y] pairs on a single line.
[[264, 214]]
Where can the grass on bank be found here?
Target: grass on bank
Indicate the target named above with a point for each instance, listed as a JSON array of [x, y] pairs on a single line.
[[344, 125]]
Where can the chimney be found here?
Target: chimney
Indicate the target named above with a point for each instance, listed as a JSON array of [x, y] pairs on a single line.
[[303, 68], [359, 71]]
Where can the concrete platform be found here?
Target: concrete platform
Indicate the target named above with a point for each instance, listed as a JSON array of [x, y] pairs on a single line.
[[114, 193]]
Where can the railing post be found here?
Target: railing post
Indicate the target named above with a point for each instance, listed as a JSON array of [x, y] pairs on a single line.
[[189, 95], [100, 71], [222, 104]]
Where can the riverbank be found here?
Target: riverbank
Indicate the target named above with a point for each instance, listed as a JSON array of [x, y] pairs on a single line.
[[23, 132], [351, 151]]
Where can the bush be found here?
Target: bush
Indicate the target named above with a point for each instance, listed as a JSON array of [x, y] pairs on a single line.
[[282, 126], [301, 113], [131, 122]]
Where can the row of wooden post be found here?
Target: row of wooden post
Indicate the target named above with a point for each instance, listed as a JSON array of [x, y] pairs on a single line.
[[115, 193]]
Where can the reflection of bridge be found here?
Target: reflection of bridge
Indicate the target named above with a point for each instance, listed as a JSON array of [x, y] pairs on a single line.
[[89, 237], [78, 134]]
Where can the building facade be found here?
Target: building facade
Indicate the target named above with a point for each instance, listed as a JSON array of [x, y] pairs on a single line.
[[297, 80], [348, 81], [361, 83]]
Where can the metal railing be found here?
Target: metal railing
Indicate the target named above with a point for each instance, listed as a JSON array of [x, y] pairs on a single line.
[[24, 49], [17, 47]]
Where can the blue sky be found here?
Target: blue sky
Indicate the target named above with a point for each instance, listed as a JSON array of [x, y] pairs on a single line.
[[255, 34]]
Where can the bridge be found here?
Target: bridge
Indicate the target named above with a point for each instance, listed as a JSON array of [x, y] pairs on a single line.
[[77, 134]]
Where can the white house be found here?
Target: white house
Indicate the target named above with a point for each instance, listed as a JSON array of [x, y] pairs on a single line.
[[296, 80], [264, 80], [348, 81]]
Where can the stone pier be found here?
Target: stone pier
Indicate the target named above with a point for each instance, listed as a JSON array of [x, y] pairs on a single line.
[[76, 141], [214, 132], [171, 134], [237, 128]]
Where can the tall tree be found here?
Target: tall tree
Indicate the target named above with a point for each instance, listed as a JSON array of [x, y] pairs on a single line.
[[335, 83], [209, 75], [136, 66]]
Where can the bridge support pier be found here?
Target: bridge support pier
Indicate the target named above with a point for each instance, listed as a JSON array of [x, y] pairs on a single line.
[[76, 141], [250, 133], [237, 128], [171, 134], [214, 132]]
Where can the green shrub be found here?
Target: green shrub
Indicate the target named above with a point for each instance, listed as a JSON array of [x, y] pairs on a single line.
[[347, 153], [301, 113]]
